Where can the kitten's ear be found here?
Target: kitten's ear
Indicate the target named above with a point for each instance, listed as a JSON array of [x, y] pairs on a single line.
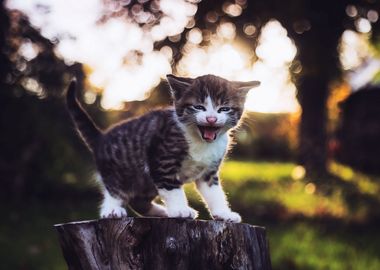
[[178, 85], [244, 87]]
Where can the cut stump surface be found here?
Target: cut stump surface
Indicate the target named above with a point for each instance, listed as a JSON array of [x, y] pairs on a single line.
[[163, 243]]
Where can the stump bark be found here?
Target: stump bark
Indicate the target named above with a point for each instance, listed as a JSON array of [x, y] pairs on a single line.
[[163, 243]]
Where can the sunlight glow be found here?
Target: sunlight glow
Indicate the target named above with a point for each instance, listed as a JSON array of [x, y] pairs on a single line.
[[221, 59], [119, 52], [233, 10], [358, 59], [121, 59], [228, 60], [354, 48], [276, 52], [135, 78], [275, 48], [226, 30], [363, 25], [28, 50], [32, 86], [298, 173], [195, 36]]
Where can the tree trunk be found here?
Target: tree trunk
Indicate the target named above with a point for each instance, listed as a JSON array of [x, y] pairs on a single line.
[[320, 65], [319, 31], [163, 243], [313, 92]]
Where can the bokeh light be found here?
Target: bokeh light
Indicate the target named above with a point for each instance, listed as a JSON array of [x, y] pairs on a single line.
[[225, 58], [118, 51], [121, 58], [358, 59], [363, 25]]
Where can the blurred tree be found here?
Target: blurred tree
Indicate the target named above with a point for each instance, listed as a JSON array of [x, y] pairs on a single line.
[[4, 62], [359, 130], [316, 28], [30, 87], [36, 139]]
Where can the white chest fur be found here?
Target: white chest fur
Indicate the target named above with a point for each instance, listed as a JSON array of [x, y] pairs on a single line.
[[202, 156], [208, 153]]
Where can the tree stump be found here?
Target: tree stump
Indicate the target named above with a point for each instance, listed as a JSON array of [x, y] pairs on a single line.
[[163, 243]]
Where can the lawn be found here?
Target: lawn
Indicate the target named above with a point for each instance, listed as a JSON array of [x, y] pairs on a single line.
[[309, 225]]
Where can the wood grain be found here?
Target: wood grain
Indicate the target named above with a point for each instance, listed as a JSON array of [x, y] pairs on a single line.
[[163, 243]]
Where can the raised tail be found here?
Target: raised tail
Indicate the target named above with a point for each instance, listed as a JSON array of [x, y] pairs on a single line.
[[87, 129]]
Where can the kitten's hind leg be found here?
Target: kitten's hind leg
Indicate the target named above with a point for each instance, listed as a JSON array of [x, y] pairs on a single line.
[[148, 208], [111, 206], [157, 210]]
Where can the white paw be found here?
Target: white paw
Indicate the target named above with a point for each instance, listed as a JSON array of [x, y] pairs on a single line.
[[227, 216], [113, 212], [187, 212]]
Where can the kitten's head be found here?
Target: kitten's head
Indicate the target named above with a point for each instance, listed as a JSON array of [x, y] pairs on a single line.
[[209, 105]]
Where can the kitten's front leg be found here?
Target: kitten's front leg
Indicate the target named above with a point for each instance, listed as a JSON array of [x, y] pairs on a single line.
[[176, 203], [170, 189], [215, 198]]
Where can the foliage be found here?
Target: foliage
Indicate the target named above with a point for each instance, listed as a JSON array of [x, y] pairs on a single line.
[[301, 235], [266, 136], [278, 189], [312, 223], [309, 226]]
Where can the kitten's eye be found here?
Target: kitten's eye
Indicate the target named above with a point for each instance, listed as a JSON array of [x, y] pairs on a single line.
[[224, 109], [199, 107]]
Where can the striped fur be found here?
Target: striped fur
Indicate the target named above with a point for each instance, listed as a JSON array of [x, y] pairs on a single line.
[[161, 150]]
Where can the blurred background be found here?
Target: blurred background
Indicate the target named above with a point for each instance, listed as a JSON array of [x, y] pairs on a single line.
[[307, 160]]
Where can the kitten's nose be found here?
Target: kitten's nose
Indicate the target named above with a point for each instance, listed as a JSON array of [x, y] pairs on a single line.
[[211, 119]]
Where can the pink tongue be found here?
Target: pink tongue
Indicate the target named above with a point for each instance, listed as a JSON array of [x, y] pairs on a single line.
[[209, 134]]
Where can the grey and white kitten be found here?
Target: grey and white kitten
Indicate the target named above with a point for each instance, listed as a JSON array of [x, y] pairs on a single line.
[[158, 152]]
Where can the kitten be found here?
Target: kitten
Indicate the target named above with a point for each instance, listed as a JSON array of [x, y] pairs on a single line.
[[158, 152]]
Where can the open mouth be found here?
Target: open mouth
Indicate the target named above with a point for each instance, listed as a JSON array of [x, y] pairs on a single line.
[[209, 133]]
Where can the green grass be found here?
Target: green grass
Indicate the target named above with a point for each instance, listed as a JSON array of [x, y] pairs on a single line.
[[238, 171], [303, 245], [281, 184], [309, 226]]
